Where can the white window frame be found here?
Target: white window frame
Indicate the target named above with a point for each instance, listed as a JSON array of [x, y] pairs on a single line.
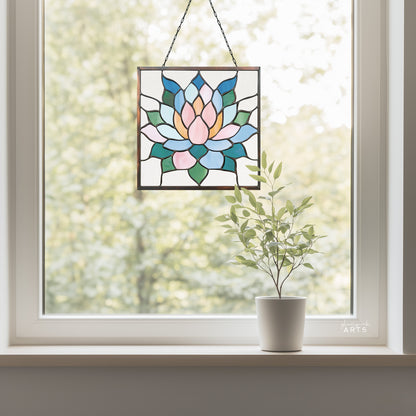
[[28, 325]]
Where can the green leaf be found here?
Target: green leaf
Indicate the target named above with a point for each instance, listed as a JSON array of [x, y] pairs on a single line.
[[273, 193], [308, 265], [306, 200], [167, 165], [237, 193], [259, 178], [253, 168], [245, 261], [230, 199], [154, 118], [264, 160], [233, 215], [250, 234], [168, 98], [243, 225], [306, 235], [251, 197], [259, 208], [280, 213], [228, 98], [222, 218], [270, 168], [246, 213], [198, 173], [278, 171], [289, 207], [241, 118]]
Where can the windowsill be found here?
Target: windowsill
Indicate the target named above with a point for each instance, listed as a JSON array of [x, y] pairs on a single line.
[[185, 356]]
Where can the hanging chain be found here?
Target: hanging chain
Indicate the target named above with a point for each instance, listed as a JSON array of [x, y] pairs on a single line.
[[177, 31], [223, 33], [180, 26]]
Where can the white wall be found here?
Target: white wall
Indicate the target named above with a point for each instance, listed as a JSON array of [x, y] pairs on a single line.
[[208, 392], [235, 391]]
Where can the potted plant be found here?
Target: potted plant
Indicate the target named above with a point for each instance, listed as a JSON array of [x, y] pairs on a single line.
[[274, 243]]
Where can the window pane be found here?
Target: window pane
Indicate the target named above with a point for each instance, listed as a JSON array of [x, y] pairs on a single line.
[[110, 249]]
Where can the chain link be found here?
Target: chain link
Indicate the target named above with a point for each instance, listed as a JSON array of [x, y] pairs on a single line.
[[223, 33], [180, 26]]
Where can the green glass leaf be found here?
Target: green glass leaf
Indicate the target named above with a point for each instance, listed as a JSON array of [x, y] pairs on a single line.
[[229, 164], [168, 98], [228, 98], [167, 165], [238, 150], [159, 151], [241, 118], [198, 173], [154, 117], [198, 150]]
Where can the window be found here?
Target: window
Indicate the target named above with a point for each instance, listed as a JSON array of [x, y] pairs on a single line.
[[71, 247]]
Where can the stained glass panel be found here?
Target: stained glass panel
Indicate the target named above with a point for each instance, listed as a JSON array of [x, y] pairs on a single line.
[[197, 128]]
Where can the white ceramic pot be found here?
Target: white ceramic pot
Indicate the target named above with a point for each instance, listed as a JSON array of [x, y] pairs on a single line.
[[281, 322]]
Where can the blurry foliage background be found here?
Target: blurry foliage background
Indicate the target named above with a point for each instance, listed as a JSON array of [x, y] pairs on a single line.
[[113, 250]]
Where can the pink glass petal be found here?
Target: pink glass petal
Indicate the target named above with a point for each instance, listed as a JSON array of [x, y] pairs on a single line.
[[183, 160], [206, 93], [227, 132], [209, 115], [152, 133], [188, 114], [198, 131]]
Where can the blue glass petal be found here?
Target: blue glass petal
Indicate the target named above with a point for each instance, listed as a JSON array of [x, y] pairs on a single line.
[[243, 134], [169, 132], [198, 81], [218, 144], [191, 93], [170, 85], [227, 85], [229, 114], [167, 113], [217, 101], [177, 145], [212, 160], [179, 101]]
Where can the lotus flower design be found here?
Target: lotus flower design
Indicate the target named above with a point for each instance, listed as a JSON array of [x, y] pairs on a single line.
[[198, 128]]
